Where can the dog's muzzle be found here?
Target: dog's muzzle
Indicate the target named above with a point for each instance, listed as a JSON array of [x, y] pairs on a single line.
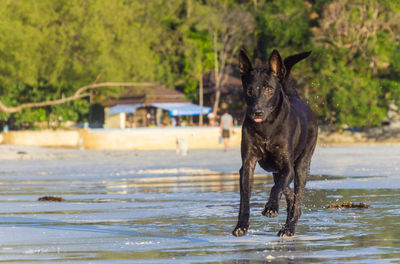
[[258, 115]]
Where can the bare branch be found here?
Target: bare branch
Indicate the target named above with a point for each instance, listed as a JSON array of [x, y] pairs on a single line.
[[77, 95]]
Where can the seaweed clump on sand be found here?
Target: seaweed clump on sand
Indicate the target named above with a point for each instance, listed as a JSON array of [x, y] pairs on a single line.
[[347, 204], [51, 199]]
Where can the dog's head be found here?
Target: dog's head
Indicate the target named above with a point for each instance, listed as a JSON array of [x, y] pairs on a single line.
[[262, 86]]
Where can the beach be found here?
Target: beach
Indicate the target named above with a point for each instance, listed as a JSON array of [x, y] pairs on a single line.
[[148, 206]]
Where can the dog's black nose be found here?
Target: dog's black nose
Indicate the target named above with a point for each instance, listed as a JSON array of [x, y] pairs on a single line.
[[258, 112]]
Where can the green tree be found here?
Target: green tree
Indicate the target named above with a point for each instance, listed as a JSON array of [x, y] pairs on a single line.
[[285, 25], [229, 27], [51, 48], [355, 46]]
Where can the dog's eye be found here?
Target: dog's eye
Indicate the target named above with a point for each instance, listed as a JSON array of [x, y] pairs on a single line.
[[269, 91], [249, 92]]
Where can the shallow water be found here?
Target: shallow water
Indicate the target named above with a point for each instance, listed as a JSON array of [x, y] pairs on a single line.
[[128, 212]]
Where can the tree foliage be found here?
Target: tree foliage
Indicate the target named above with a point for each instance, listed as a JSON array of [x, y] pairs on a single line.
[[358, 46], [49, 49]]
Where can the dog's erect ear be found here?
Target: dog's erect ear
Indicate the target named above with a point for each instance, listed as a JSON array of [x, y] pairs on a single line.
[[292, 60], [276, 65], [244, 63]]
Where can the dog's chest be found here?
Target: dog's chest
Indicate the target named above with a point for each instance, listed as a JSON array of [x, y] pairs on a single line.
[[269, 155]]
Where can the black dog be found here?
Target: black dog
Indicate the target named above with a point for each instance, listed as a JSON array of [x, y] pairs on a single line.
[[280, 133]]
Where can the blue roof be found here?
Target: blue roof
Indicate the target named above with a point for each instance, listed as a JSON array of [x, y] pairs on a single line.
[[183, 109], [174, 109], [124, 108]]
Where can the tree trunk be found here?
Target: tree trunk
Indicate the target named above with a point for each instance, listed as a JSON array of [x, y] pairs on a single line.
[[201, 98], [188, 8], [255, 4], [216, 76], [216, 103]]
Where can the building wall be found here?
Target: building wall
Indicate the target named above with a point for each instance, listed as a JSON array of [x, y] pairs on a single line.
[[117, 139], [43, 138], [115, 121]]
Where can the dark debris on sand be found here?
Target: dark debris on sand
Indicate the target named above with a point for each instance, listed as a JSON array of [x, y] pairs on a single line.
[[51, 199], [347, 204]]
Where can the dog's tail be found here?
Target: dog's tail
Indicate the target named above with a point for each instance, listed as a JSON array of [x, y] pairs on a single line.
[[290, 61]]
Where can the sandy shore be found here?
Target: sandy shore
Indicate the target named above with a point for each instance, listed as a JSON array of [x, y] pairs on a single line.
[[166, 138], [350, 138], [329, 160], [12, 152], [153, 206]]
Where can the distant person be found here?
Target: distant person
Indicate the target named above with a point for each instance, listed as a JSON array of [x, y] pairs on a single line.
[[181, 147], [173, 122], [148, 119], [226, 128], [211, 119]]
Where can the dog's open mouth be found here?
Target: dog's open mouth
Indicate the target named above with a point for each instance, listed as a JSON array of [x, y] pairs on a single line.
[[257, 120]]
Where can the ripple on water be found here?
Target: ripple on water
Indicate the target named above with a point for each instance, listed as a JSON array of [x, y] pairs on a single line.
[[189, 218]]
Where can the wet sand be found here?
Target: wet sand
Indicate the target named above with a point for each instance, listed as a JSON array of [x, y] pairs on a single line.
[[157, 207]]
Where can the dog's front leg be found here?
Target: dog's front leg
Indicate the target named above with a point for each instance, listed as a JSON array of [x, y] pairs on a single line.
[[282, 180], [246, 184]]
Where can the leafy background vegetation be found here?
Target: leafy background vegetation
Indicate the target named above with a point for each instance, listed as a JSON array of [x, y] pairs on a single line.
[[48, 49]]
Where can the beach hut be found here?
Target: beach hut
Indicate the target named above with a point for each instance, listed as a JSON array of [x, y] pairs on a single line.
[[151, 107]]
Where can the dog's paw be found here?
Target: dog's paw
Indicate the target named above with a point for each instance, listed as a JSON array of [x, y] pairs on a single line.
[[239, 231], [286, 232], [270, 211]]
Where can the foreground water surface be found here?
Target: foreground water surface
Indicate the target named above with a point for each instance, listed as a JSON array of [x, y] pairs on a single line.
[[156, 207]]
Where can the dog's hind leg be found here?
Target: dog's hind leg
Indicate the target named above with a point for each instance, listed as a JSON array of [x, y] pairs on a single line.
[[294, 208], [289, 194], [302, 170], [281, 180]]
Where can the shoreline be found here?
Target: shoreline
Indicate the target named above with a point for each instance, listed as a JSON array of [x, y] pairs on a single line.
[[20, 152], [166, 138]]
